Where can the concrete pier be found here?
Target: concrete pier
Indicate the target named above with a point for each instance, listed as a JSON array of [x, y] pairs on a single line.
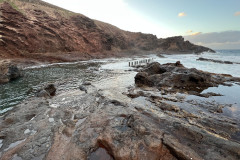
[[140, 62]]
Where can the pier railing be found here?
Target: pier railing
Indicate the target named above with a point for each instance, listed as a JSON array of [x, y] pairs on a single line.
[[142, 62]]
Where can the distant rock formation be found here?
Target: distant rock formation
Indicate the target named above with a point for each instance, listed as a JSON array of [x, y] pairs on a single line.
[[37, 30], [177, 44], [216, 61]]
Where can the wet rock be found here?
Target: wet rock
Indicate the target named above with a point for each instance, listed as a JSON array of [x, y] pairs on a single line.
[[86, 83], [160, 55], [178, 64], [8, 72], [50, 89], [163, 105], [133, 94], [116, 103], [91, 126], [82, 88], [219, 109], [176, 76], [142, 79], [154, 68], [209, 94], [43, 93], [169, 107], [47, 91]]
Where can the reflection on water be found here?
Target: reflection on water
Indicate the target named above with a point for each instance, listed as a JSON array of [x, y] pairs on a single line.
[[231, 95]]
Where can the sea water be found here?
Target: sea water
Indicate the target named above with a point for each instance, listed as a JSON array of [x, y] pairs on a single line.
[[231, 95], [70, 75], [190, 61]]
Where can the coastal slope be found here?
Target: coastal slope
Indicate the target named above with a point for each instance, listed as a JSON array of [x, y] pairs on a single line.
[[34, 29]]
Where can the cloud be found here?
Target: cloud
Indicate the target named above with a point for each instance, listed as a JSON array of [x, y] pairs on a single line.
[[195, 33], [191, 33], [182, 14], [237, 13], [217, 40]]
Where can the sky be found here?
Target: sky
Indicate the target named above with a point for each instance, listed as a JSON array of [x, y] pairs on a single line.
[[165, 18]]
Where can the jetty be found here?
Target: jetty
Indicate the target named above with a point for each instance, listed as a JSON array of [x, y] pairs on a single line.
[[142, 62]]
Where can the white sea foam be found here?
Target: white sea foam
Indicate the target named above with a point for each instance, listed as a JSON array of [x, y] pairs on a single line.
[[190, 61]]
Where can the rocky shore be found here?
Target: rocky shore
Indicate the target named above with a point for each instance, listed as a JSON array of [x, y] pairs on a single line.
[[179, 78], [116, 119]]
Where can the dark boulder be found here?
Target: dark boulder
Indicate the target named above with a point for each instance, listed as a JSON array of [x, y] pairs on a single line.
[[43, 93], [178, 64], [142, 79], [82, 88], [8, 72], [47, 91], [176, 76], [50, 89], [154, 68]]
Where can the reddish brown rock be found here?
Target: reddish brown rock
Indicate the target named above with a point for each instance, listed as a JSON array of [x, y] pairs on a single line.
[[38, 30]]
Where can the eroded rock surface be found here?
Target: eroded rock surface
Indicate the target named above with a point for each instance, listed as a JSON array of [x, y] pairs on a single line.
[[106, 124], [8, 71], [47, 91], [177, 77], [36, 30]]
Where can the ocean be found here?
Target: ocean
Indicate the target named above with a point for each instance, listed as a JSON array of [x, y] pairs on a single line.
[[190, 61]]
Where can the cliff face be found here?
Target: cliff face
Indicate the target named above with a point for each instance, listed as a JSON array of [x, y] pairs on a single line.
[[29, 27]]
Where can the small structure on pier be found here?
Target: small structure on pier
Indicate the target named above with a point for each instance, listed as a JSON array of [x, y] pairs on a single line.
[[142, 62]]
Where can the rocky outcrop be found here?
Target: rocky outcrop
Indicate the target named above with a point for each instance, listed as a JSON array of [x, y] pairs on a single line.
[[216, 61], [8, 71], [177, 44], [47, 91], [38, 30], [176, 76], [101, 125]]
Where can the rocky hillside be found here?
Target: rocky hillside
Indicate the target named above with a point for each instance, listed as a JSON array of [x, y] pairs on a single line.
[[30, 28]]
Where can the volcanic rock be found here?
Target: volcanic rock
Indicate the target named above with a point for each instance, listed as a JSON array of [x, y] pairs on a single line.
[[82, 88], [44, 32], [47, 91], [216, 61], [176, 76], [8, 71]]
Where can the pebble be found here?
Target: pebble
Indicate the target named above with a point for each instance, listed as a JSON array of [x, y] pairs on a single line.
[[27, 131], [53, 105], [51, 120]]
